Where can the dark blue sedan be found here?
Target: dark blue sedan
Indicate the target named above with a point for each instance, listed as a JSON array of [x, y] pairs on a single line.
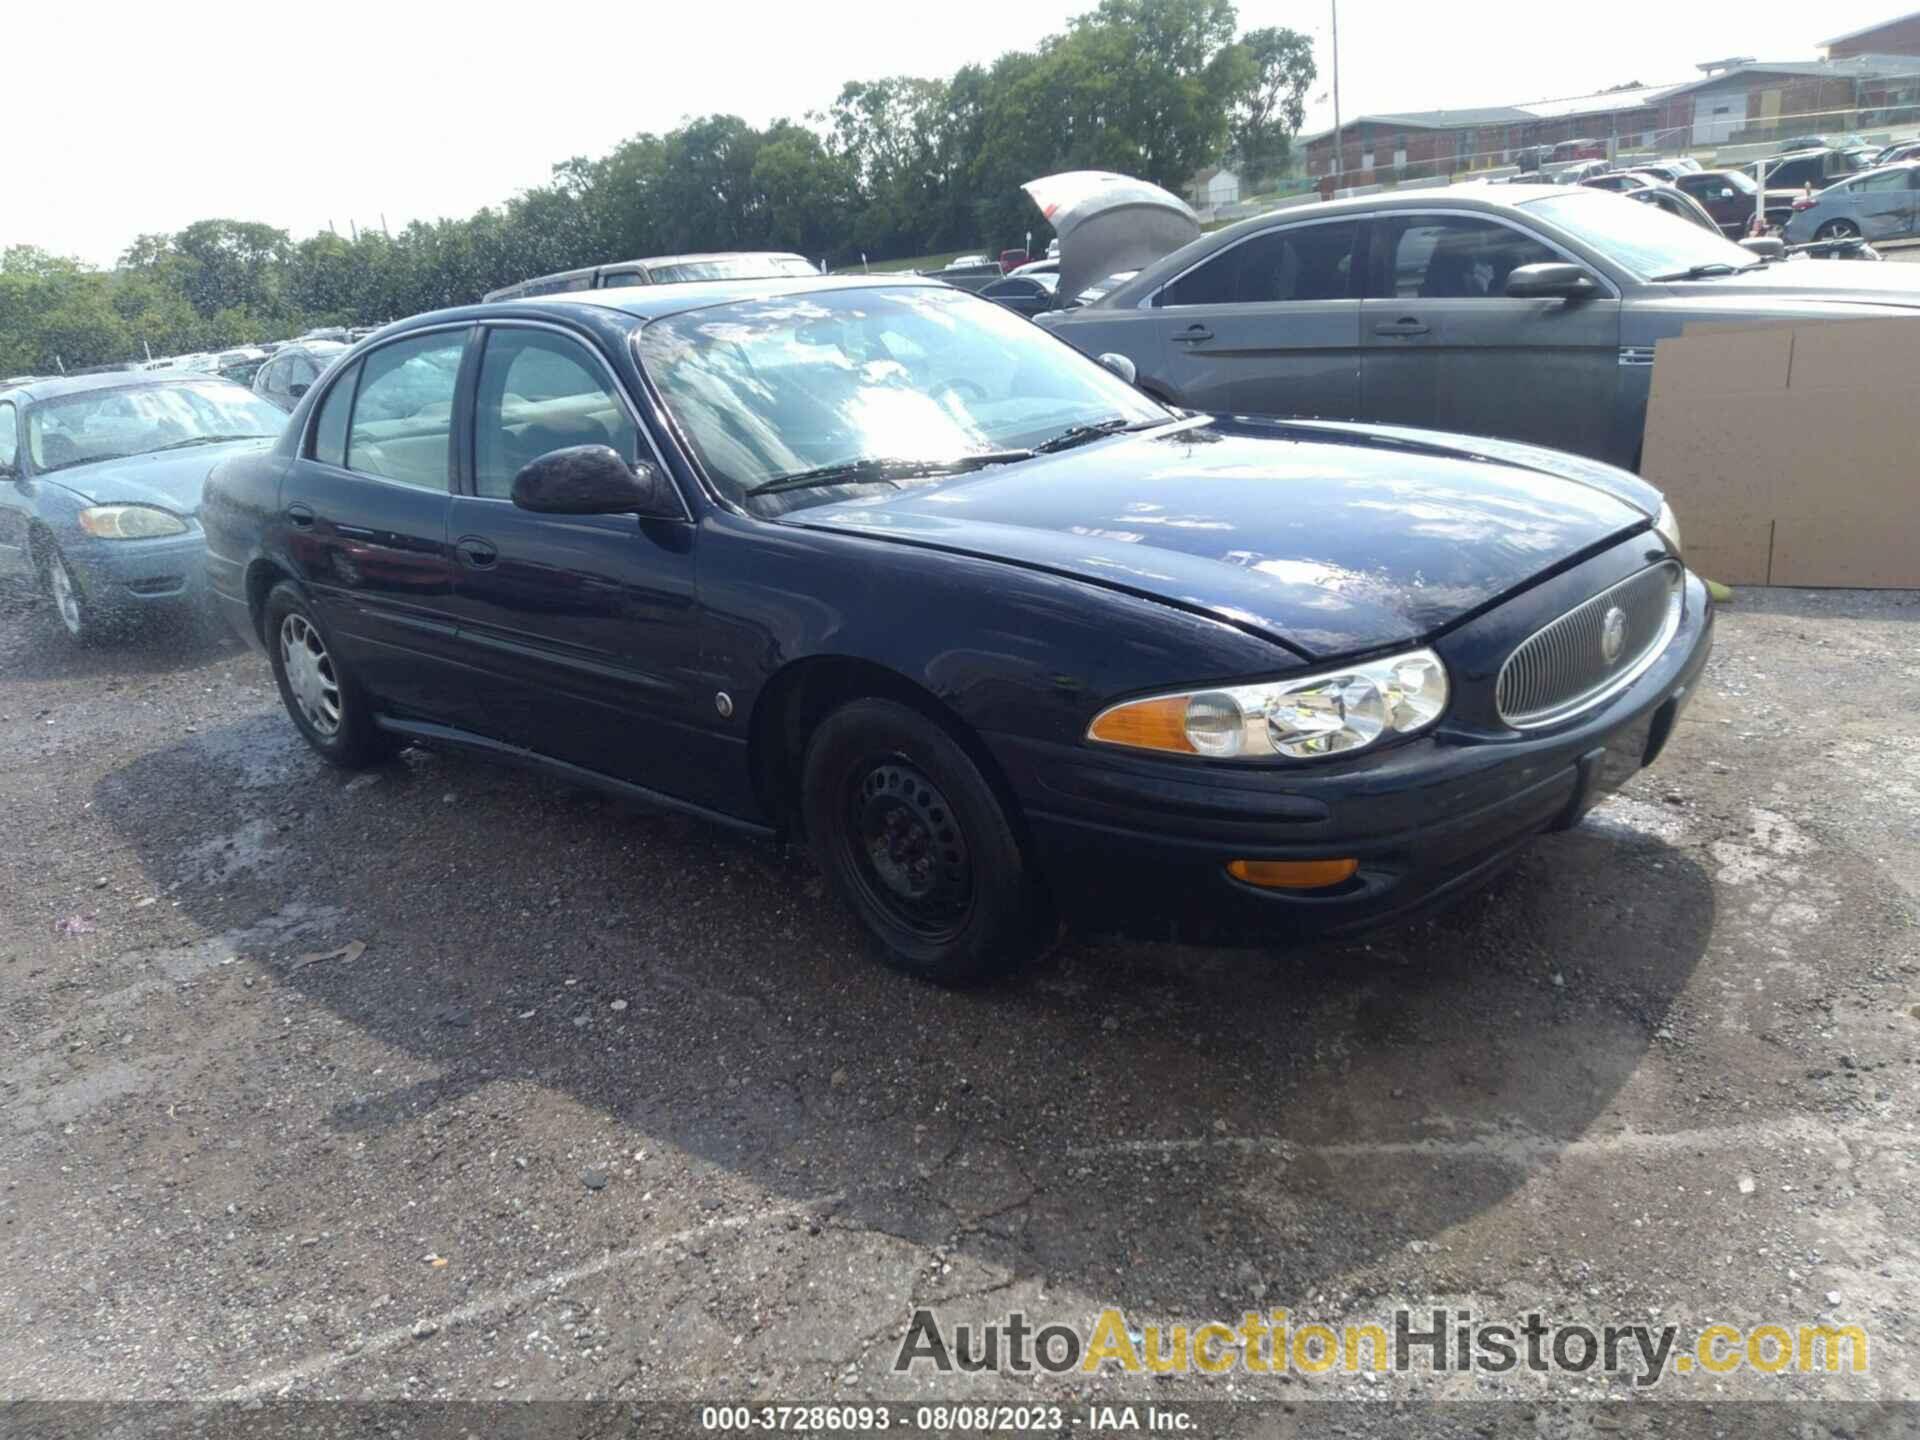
[[100, 480], [884, 566]]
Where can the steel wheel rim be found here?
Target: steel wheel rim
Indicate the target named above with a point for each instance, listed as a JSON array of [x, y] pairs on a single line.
[[65, 598], [906, 850], [310, 674]]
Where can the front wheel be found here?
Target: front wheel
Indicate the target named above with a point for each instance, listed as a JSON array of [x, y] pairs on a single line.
[[79, 616], [916, 841], [326, 703]]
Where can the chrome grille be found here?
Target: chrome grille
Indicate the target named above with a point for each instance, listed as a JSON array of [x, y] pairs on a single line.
[[1562, 668]]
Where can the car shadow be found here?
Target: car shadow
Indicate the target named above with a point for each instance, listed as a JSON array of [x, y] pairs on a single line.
[[1302, 1110]]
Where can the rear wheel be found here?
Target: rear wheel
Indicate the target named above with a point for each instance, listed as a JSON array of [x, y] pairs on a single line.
[[1838, 230], [916, 841], [327, 705]]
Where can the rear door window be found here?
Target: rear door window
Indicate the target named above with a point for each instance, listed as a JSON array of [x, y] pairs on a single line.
[[1298, 263], [402, 425]]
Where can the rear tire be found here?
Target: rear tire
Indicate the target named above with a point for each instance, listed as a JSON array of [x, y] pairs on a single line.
[[918, 845], [1838, 230], [328, 706]]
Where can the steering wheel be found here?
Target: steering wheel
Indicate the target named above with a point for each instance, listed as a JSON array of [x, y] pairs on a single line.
[[965, 388]]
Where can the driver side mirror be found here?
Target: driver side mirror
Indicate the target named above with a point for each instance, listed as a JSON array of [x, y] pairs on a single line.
[[1554, 279], [1767, 247], [1120, 365], [298, 388], [594, 480]]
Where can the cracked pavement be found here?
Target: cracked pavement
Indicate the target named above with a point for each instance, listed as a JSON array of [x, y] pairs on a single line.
[[614, 1104]]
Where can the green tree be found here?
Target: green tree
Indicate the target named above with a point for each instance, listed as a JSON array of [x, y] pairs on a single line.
[[1270, 110]]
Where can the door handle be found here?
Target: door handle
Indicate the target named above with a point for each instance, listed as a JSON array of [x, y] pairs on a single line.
[[300, 515], [476, 553], [1406, 326], [1193, 335]]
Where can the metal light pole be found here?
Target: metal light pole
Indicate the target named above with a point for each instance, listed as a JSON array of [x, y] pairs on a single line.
[[1339, 139]]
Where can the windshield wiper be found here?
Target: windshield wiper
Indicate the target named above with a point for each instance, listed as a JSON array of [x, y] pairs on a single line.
[[1080, 434], [202, 440], [1709, 271], [885, 470]]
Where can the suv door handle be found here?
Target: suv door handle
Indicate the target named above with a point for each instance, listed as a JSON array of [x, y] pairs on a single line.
[[1193, 335], [300, 515], [475, 552], [1405, 326]]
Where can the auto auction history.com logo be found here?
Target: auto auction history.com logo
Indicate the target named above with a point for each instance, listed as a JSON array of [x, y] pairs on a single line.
[[1433, 1341]]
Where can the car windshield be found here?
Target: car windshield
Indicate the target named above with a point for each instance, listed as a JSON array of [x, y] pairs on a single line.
[[776, 388], [731, 267], [1642, 240], [136, 420]]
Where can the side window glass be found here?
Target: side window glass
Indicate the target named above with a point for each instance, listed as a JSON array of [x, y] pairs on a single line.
[[9, 436], [402, 424], [1453, 259], [1306, 262], [541, 392], [330, 429], [270, 376]]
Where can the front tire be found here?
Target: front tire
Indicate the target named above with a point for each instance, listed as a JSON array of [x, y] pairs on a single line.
[[326, 703], [917, 843], [79, 616]]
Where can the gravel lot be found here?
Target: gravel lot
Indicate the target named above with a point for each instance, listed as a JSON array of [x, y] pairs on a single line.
[[611, 1104]]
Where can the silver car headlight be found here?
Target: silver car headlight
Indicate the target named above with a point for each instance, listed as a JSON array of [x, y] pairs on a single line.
[[1667, 527], [1331, 712], [130, 522]]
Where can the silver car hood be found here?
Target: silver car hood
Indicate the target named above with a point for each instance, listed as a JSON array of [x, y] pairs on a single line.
[[1109, 222], [1802, 286]]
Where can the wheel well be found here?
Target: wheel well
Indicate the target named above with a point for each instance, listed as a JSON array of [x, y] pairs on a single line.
[[262, 576], [799, 697]]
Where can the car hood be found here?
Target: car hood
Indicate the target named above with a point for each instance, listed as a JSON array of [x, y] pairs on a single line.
[[172, 479], [1796, 285], [1330, 539]]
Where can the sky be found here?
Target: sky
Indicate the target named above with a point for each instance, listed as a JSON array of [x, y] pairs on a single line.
[[136, 118]]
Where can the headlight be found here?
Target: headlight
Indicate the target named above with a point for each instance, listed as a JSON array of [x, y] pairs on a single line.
[[1328, 713], [1667, 527], [130, 522]]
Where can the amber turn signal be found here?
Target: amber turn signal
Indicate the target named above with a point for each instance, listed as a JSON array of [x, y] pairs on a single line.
[[1147, 725], [1292, 874]]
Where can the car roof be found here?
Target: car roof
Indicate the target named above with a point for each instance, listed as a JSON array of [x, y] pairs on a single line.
[[654, 302], [64, 385]]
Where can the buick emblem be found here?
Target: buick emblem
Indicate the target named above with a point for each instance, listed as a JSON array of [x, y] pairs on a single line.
[[1613, 634]]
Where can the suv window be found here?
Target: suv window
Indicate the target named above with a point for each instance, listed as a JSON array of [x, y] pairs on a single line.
[[9, 434], [540, 392], [1451, 257], [330, 429], [403, 414], [1303, 262]]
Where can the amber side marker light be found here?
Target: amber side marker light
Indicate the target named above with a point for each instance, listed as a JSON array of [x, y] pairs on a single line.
[[1292, 874]]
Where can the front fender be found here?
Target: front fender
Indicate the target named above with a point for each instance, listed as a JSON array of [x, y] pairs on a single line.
[[1004, 647]]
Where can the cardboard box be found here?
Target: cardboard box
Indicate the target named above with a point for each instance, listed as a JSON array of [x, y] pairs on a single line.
[[1791, 453]]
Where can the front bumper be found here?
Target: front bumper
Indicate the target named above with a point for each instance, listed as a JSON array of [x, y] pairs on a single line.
[[125, 577], [1137, 844]]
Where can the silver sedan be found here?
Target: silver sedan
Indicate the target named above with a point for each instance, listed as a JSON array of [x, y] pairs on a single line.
[[1527, 313], [1881, 204]]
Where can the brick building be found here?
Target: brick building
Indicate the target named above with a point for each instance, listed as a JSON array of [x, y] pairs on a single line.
[[1867, 79], [1889, 37]]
